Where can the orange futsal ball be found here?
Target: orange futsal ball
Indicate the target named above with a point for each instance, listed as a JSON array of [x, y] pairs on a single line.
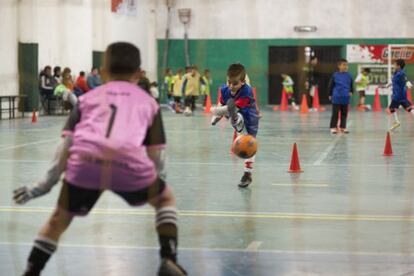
[[245, 146]]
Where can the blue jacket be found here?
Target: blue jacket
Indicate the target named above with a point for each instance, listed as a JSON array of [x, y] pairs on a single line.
[[399, 88], [340, 85], [244, 100]]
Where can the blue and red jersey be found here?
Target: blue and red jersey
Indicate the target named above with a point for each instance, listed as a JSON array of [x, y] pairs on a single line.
[[246, 104], [399, 89]]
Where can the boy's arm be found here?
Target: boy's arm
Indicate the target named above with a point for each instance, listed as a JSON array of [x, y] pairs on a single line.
[[57, 167], [155, 143], [331, 86], [352, 86]]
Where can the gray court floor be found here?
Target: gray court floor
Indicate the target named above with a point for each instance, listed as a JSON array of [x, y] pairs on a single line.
[[349, 213]]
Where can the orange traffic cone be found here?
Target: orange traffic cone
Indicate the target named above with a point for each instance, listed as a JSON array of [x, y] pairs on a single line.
[[315, 102], [294, 163], [377, 101], [409, 95], [34, 116], [284, 102], [388, 147], [208, 104], [304, 106]]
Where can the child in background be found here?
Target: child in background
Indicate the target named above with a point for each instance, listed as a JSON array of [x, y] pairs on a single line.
[[81, 84], [191, 90], [399, 93], [237, 102], [153, 89], [113, 140], [168, 85], [361, 85], [177, 92], [288, 85], [340, 90], [206, 81]]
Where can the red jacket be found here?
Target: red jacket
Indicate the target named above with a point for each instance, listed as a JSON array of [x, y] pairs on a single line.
[[82, 84]]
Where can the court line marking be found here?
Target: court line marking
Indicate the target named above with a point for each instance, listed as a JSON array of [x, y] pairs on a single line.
[[27, 144], [328, 150], [254, 246], [216, 249], [300, 185], [227, 214], [264, 164]]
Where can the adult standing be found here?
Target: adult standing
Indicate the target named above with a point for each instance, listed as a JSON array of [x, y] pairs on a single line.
[[311, 82]]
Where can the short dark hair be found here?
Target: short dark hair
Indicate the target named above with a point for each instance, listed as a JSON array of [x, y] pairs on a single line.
[[342, 60], [122, 58], [56, 69], [82, 73], [236, 70], [144, 83], [367, 70], [400, 62]]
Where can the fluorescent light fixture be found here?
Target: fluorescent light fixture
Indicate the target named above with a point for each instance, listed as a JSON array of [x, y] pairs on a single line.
[[305, 29]]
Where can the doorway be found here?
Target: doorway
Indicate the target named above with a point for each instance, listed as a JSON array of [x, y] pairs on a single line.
[[292, 61]]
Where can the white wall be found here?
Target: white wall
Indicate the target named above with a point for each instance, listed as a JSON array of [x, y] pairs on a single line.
[[67, 32], [227, 19], [8, 48]]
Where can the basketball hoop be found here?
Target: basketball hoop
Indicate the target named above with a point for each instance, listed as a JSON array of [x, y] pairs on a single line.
[[185, 15]]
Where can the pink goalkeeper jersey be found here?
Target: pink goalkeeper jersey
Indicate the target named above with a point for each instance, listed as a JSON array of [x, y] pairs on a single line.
[[108, 150]]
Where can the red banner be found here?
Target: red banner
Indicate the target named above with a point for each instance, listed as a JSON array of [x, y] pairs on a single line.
[[379, 53], [127, 7]]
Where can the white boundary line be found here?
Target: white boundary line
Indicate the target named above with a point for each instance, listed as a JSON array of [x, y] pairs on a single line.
[[300, 185], [28, 144], [328, 150], [254, 246]]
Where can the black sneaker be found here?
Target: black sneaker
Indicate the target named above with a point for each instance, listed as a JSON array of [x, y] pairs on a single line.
[[246, 180], [169, 268]]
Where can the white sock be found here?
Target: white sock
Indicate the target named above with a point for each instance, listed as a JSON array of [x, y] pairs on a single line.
[[396, 116], [412, 111]]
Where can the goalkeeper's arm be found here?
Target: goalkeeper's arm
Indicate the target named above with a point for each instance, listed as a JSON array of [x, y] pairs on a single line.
[[26, 193]]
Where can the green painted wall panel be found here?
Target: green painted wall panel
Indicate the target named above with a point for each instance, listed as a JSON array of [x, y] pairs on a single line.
[[97, 59], [217, 54], [29, 74]]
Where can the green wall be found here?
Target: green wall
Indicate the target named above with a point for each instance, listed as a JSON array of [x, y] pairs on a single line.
[[97, 59], [29, 74], [217, 54]]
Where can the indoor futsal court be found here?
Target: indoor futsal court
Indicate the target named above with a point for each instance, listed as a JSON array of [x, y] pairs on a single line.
[[273, 138]]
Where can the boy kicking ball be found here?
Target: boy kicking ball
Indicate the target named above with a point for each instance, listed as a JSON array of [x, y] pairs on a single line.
[[237, 102]]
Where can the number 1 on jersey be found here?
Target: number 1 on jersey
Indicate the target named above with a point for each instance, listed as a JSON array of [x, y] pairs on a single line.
[[111, 120]]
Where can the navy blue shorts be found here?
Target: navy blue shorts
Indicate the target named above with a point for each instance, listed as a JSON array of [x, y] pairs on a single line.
[[396, 104]]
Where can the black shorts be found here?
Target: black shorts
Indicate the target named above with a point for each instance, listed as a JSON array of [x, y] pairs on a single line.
[[80, 201], [361, 93], [396, 104]]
